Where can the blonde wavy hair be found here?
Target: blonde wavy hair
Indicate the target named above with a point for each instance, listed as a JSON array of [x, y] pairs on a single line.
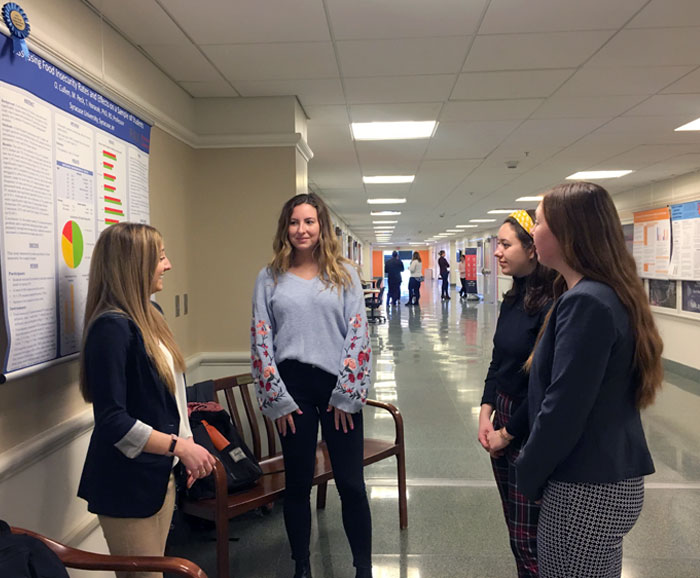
[[122, 270], [331, 264]]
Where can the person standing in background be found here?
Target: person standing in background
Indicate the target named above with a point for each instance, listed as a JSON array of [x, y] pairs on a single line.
[[444, 265], [310, 352], [523, 310], [393, 269], [414, 281], [596, 364], [462, 267]]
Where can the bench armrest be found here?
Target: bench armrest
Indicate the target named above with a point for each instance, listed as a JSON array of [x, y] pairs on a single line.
[[395, 413]]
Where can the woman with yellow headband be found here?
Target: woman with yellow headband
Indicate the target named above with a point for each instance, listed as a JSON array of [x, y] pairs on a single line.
[[523, 311]]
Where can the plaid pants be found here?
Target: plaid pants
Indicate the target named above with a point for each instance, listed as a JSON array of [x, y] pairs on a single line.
[[521, 514]]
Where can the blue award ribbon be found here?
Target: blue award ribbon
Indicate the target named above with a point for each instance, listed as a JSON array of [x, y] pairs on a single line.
[[18, 25]]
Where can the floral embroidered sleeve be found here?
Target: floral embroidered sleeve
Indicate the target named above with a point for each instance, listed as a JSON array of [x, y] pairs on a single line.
[[271, 392], [354, 378]]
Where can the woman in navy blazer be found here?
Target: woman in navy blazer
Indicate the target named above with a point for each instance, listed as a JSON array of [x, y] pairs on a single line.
[[596, 364], [131, 371]]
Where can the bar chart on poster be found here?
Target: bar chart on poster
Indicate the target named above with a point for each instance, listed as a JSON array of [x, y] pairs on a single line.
[[72, 163]]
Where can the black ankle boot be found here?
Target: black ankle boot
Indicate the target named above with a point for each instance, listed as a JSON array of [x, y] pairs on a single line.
[[303, 570], [363, 573]]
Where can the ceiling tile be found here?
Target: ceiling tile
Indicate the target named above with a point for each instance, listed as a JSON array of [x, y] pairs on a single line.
[[366, 19], [651, 47], [395, 112], [390, 157], [663, 104], [620, 80], [273, 61], [327, 114], [251, 21], [509, 85], [153, 25], [182, 62], [668, 13], [689, 83], [402, 56], [457, 110], [392, 89], [309, 91], [586, 106], [534, 51], [513, 16], [460, 140]]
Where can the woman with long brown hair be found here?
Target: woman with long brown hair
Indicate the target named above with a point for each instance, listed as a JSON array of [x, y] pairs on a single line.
[[596, 364], [131, 371], [311, 361]]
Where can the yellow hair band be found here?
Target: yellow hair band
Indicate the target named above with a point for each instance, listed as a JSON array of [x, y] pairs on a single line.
[[524, 220]]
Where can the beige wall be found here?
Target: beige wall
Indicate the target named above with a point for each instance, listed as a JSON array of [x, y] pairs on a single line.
[[236, 199]]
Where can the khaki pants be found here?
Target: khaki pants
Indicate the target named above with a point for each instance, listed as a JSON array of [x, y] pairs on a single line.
[[140, 536]]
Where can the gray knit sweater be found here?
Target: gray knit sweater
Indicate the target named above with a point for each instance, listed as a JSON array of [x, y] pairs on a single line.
[[305, 320]]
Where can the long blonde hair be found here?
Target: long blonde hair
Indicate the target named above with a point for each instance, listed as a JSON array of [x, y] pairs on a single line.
[[331, 264], [583, 218], [122, 269]]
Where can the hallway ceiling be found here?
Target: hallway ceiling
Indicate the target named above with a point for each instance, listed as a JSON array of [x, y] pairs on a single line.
[[553, 86]]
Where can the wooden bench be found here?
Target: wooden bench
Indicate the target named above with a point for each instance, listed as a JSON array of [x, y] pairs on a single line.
[[80, 559], [261, 436]]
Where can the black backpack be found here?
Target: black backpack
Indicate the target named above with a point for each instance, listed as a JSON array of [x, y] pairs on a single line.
[[24, 556], [242, 469]]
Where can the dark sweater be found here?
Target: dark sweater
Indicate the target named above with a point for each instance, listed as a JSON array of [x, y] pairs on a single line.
[[585, 426], [444, 265], [516, 333]]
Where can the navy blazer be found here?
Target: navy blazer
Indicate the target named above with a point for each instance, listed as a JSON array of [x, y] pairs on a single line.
[[125, 386], [585, 426]]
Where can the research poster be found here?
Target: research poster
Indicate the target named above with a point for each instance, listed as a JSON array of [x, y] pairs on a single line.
[[72, 163], [652, 243], [685, 231]]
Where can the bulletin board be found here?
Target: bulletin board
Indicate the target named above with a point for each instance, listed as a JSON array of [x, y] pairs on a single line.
[[72, 162]]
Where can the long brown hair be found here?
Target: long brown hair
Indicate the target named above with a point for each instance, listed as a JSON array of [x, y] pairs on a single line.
[[122, 269], [539, 285], [331, 263], [583, 218]]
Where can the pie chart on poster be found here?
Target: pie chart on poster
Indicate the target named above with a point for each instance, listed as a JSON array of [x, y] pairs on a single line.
[[72, 244]]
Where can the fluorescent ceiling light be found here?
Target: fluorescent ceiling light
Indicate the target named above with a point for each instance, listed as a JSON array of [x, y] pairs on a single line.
[[501, 211], [394, 201], [384, 227], [466, 226], [582, 175], [388, 179], [482, 220], [392, 130], [692, 125], [452, 231], [384, 213], [529, 199], [384, 222]]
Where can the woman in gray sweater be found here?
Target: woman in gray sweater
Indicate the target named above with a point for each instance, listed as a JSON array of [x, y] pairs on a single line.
[[311, 361]]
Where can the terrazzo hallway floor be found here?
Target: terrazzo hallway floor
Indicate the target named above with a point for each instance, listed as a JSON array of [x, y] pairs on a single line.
[[430, 361]]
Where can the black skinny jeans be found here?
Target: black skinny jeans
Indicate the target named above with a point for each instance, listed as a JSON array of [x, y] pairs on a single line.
[[413, 290], [311, 389], [445, 283]]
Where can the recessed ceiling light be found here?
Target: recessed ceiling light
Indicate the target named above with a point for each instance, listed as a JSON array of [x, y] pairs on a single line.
[[452, 231], [394, 201], [692, 125], [381, 227], [393, 130], [482, 220], [384, 213], [466, 226], [582, 175], [384, 222], [388, 179], [529, 199], [501, 211]]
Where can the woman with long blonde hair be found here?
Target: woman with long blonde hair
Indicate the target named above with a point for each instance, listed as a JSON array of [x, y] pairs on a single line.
[[596, 364], [131, 371], [311, 362]]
